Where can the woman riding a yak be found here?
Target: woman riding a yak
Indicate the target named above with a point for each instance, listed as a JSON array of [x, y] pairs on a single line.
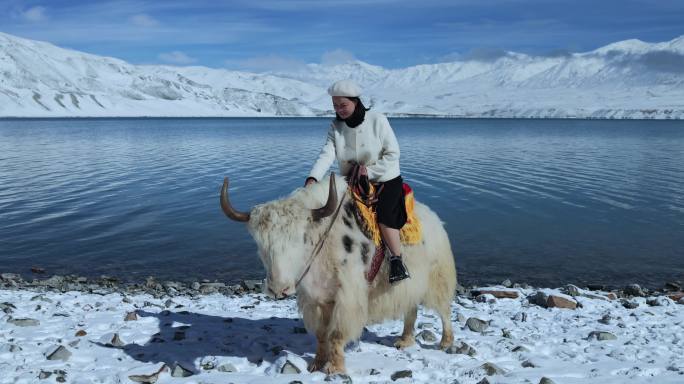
[[366, 148]]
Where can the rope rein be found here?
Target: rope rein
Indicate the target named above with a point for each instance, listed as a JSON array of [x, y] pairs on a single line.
[[355, 188], [360, 187], [319, 245]]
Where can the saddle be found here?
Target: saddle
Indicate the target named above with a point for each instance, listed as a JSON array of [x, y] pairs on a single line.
[[365, 195]]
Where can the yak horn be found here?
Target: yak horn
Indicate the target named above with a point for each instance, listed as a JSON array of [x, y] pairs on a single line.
[[330, 206], [227, 208]]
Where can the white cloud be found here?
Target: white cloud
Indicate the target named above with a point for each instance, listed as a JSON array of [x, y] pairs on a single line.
[[177, 57], [449, 58], [298, 5], [268, 63], [338, 56], [36, 13], [143, 20]]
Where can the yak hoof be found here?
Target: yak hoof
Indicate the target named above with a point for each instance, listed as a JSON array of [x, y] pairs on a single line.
[[446, 342], [404, 342], [317, 365], [331, 369]]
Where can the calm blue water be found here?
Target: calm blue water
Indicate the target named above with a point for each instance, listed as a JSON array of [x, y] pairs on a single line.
[[542, 201]]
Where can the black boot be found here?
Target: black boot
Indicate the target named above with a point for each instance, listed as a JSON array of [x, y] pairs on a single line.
[[398, 270]]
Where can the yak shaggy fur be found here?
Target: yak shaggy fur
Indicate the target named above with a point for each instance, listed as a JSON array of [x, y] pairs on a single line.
[[334, 297]]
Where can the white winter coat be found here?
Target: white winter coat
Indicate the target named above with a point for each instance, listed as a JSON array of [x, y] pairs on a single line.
[[372, 143]]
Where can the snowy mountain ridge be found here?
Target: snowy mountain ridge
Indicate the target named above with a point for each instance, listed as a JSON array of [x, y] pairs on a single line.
[[626, 79]]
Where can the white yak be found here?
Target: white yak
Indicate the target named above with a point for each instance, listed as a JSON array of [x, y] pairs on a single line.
[[333, 295]]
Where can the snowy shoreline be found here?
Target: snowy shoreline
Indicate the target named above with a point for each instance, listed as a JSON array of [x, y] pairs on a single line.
[[158, 287], [390, 115], [206, 332]]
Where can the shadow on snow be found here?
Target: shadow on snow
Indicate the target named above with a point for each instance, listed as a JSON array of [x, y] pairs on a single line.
[[184, 337]]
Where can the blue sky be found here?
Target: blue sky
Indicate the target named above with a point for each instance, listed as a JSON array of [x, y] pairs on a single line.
[[276, 34]]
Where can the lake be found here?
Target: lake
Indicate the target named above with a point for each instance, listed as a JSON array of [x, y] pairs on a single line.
[[546, 202]]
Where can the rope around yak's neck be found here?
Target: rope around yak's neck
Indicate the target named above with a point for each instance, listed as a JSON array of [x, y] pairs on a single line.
[[319, 245]]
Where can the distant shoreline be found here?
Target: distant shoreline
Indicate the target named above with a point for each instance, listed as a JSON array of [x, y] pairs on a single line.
[[389, 115]]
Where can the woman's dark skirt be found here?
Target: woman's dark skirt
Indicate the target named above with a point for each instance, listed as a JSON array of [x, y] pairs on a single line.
[[391, 208]]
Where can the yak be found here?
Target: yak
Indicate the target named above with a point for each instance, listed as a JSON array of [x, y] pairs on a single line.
[[312, 245]]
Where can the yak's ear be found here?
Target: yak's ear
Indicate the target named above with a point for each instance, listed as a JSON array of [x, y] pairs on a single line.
[[330, 206], [228, 208]]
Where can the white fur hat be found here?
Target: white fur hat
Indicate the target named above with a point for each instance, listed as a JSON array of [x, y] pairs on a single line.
[[346, 88]]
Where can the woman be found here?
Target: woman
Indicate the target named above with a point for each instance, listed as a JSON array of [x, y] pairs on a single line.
[[360, 137]]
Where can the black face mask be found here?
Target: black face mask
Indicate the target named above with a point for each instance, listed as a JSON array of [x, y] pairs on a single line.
[[357, 116]]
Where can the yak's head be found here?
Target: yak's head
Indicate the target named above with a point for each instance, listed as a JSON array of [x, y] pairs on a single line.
[[286, 231]]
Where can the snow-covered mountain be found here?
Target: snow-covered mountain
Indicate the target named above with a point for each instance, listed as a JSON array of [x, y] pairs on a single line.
[[627, 79]]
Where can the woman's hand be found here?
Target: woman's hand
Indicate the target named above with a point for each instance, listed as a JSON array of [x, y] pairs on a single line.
[[364, 183]]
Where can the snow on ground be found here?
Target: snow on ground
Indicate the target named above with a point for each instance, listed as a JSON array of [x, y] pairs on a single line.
[[253, 339]]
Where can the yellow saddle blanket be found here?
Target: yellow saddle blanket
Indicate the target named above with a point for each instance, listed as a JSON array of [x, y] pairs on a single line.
[[410, 233]]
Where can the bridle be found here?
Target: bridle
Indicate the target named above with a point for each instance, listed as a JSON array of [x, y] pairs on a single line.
[[359, 188], [317, 214], [319, 244]]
